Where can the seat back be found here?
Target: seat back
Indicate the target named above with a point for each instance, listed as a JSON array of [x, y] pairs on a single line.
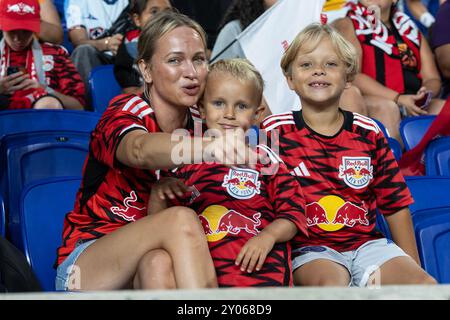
[[21, 121], [433, 242], [36, 156], [429, 192], [103, 86], [412, 130], [2, 217], [43, 207], [395, 147], [437, 157]]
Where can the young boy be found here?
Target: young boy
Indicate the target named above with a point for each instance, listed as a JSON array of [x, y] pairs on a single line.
[[248, 215], [346, 171]]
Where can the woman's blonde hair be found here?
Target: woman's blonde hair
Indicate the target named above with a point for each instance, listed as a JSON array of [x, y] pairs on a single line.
[[241, 69], [310, 38], [163, 23]]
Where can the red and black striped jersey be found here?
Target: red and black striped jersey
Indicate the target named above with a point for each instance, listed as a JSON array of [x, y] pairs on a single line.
[[345, 178], [60, 73], [112, 194], [235, 204], [391, 56]]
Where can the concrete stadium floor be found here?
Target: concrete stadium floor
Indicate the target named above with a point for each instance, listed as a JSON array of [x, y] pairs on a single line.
[[439, 292]]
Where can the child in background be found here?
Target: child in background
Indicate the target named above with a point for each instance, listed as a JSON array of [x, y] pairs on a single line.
[[125, 68], [347, 172], [249, 215]]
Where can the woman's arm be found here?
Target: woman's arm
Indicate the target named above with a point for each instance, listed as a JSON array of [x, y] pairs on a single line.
[[402, 231]]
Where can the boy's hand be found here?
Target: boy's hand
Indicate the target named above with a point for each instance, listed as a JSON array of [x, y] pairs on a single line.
[[170, 188], [254, 252]]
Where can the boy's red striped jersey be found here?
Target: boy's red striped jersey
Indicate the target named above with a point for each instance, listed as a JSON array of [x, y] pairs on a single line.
[[345, 178], [111, 194], [234, 205]]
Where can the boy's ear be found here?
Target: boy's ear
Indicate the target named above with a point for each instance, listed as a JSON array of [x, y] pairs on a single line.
[[260, 111], [290, 83], [145, 69], [348, 84]]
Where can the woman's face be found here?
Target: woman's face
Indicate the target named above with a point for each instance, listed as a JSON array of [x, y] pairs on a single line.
[[177, 70], [152, 8], [18, 40]]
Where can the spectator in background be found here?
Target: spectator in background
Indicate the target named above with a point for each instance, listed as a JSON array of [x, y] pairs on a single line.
[[208, 13], [239, 16], [34, 74], [51, 28], [397, 68], [440, 41], [91, 25], [125, 69]]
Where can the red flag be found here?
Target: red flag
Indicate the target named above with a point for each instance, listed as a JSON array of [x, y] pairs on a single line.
[[410, 163]]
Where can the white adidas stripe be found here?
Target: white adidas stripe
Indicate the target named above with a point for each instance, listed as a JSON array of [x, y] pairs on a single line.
[[280, 116], [277, 124], [134, 125], [131, 103], [145, 112], [366, 126], [139, 106]]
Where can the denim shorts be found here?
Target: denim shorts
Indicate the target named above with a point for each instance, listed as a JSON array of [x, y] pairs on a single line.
[[65, 269], [360, 263]]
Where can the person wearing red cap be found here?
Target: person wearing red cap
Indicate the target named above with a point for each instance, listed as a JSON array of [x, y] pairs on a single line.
[[33, 74]]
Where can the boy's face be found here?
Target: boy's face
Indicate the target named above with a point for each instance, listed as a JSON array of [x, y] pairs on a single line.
[[319, 76], [18, 40], [229, 103]]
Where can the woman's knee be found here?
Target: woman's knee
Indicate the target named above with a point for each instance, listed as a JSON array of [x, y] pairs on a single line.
[[155, 270], [423, 279], [184, 221], [48, 102]]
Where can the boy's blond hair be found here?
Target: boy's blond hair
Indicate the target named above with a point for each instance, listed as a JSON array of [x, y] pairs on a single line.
[[310, 38], [241, 69]]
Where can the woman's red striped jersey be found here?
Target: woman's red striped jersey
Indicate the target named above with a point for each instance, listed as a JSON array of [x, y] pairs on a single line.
[[345, 178], [112, 194], [235, 204]]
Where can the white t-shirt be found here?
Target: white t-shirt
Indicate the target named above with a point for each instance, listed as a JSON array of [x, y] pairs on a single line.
[[96, 16]]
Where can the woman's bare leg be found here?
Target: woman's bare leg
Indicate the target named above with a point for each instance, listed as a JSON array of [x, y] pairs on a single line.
[[112, 261], [155, 271], [322, 272]]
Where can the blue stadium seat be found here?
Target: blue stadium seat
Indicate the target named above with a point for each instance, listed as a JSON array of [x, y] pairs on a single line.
[[412, 129], [43, 206], [382, 225], [395, 147], [30, 157], [429, 192], [103, 87], [382, 127], [437, 157], [20, 121], [433, 242]]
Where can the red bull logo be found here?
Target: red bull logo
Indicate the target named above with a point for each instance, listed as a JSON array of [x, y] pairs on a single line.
[[242, 183], [356, 171], [21, 8], [218, 222], [332, 213]]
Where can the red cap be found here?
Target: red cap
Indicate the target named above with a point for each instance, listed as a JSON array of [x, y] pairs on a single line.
[[20, 15]]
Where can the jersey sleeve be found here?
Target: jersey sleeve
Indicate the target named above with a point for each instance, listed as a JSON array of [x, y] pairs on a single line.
[[125, 113], [286, 195], [75, 11], [390, 188]]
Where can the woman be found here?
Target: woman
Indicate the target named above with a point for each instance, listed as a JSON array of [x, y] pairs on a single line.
[[108, 235], [397, 65]]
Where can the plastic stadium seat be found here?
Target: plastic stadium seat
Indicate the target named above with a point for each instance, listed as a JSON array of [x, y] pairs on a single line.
[[36, 156], [382, 127], [429, 192], [382, 225], [412, 129], [437, 157], [20, 121], [433, 241], [103, 87], [43, 206], [395, 147]]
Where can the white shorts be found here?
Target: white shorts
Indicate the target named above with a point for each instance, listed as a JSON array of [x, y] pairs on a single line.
[[360, 263]]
